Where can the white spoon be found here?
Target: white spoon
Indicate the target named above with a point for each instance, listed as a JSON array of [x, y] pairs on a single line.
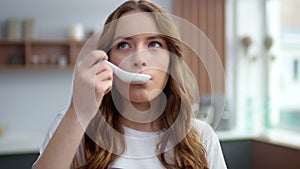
[[128, 77]]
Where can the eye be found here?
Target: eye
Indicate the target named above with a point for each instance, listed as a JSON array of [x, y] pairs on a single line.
[[154, 44], [123, 45]]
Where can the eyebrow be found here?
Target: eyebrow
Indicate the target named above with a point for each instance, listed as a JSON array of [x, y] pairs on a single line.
[[130, 37], [121, 37]]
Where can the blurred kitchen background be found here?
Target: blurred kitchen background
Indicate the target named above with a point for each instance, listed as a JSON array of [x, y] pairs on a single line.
[[249, 93]]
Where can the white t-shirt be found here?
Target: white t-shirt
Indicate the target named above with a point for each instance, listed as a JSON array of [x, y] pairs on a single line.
[[146, 149]]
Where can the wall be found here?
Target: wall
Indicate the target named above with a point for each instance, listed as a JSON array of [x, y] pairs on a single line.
[[54, 17], [29, 99]]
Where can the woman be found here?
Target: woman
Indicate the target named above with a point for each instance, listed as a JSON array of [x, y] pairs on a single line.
[[113, 124]]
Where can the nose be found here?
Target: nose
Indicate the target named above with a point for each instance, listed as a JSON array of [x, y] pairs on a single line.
[[139, 63], [140, 59]]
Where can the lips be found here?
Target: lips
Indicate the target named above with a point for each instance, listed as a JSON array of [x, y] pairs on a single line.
[[144, 84], [146, 73]]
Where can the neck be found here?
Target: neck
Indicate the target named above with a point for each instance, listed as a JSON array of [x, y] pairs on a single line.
[[142, 116], [147, 127]]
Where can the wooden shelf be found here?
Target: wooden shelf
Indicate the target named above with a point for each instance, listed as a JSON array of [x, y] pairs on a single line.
[[37, 66], [11, 42], [38, 54]]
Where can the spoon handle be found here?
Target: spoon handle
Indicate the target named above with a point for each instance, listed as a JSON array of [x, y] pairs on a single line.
[[113, 66]]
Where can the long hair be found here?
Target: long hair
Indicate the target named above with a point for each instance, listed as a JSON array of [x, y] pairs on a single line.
[[189, 151]]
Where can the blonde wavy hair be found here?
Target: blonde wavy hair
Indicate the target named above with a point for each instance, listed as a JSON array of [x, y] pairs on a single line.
[[188, 151]]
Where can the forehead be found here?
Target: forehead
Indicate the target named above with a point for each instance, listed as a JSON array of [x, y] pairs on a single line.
[[135, 23]]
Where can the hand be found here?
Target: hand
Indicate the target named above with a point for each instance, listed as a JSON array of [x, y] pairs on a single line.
[[92, 80]]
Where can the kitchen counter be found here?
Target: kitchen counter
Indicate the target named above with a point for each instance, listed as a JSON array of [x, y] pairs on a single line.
[[290, 139], [20, 143]]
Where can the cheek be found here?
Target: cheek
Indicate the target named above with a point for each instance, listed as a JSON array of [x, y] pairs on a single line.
[[160, 61], [124, 61], [161, 81], [115, 58]]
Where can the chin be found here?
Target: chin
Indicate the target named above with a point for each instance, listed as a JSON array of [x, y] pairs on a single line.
[[139, 98], [142, 97]]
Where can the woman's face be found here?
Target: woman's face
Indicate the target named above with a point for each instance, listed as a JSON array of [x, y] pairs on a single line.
[[138, 47]]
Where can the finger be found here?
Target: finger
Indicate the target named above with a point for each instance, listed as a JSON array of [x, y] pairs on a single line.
[[101, 67], [92, 71], [93, 75], [104, 75], [107, 90], [93, 57], [103, 88], [103, 81]]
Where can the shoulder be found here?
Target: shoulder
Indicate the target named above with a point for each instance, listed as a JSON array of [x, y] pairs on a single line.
[[55, 123], [204, 130], [211, 143]]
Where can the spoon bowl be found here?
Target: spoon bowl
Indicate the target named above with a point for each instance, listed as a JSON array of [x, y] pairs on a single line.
[[129, 77]]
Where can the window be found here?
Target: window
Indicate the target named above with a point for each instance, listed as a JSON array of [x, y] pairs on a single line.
[[283, 25]]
